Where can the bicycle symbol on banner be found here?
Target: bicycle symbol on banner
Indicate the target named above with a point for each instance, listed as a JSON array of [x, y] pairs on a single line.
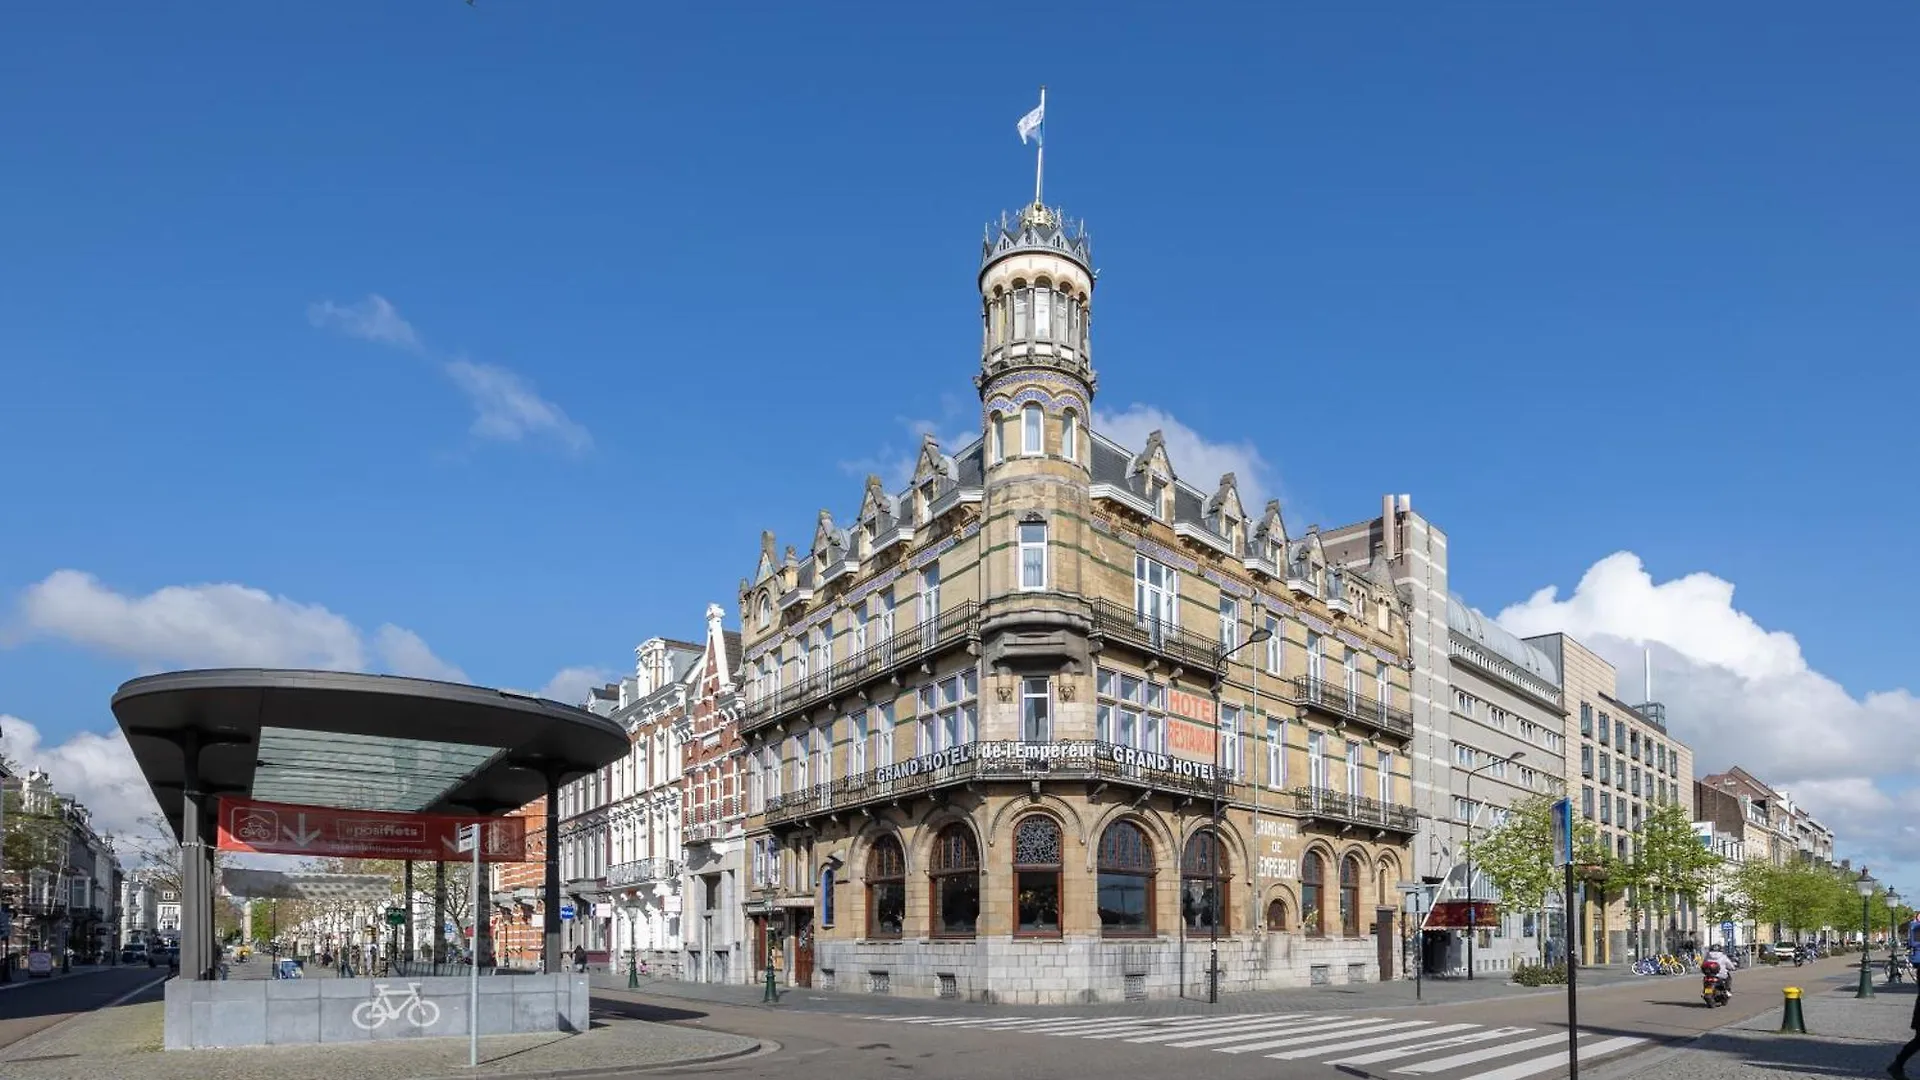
[[391, 1004]]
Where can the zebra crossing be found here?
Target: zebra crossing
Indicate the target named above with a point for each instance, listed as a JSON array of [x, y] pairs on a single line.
[[1417, 1048]]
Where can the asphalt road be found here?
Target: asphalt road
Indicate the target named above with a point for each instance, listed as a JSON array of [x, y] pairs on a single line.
[[1519, 1038], [29, 1005]]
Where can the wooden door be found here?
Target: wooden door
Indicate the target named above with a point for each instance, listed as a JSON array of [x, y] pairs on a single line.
[[802, 946], [1383, 940]]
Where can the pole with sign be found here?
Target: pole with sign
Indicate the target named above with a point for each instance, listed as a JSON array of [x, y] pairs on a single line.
[[470, 839], [1563, 855]]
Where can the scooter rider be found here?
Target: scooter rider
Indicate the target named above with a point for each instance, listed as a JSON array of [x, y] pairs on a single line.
[[1716, 956]]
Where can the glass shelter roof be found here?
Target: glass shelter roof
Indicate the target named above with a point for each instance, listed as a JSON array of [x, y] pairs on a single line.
[[360, 772]]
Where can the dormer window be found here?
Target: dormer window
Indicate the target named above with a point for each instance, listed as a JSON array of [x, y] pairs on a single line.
[[1230, 530], [925, 507], [1156, 495]]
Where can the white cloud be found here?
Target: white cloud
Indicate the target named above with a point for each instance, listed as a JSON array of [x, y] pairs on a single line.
[[99, 770], [1739, 693], [405, 653], [372, 319], [570, 685], [506, 407], [215, 625], [1196, 459]]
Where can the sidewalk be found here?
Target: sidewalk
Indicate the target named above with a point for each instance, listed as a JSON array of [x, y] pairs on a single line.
[[124, 1043], [1845, 1037], [1399, 993]]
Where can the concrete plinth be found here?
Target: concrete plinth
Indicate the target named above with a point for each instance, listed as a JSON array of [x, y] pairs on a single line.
[[295, 1011]]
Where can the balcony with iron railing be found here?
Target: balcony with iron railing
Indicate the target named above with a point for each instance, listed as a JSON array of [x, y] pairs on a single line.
[[1353, 705], [642, 872], [958, 624], [1326, 804], [1117, 622], [1095, 763]]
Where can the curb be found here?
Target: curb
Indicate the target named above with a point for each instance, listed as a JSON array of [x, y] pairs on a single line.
[[620, 1070]]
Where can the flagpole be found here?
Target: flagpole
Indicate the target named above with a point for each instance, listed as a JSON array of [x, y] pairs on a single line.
[[1040, 158]]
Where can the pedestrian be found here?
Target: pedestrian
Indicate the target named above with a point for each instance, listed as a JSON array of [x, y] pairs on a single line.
[[579, 958], [1898, 1070]]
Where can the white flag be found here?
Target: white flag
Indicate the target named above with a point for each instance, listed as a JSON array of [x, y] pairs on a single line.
[[1030, 124]]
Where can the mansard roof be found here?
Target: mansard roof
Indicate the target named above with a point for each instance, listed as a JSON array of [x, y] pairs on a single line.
[[1472, 623]]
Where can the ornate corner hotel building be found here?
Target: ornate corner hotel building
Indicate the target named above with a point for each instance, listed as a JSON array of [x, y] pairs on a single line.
[[1040, 726]]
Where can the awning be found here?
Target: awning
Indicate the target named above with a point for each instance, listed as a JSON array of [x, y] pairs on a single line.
[[1464, 915]]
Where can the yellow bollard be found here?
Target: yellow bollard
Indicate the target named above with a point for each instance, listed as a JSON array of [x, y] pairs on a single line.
[[1792, 1021]]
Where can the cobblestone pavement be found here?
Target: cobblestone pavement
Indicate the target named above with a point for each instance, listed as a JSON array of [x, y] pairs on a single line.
[[124, 1043], [1400, 993], [1845, 1037]]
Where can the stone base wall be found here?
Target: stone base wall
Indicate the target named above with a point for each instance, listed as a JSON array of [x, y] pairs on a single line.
[[274, 1012], [1070, 970]]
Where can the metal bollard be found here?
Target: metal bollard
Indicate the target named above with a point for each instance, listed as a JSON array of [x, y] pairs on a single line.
[[1792, 1021]]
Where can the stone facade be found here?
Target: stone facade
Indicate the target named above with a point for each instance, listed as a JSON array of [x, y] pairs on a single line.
[[713, 816], [1027, 729]]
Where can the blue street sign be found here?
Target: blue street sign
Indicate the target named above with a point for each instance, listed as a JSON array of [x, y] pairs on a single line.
[[1726, 931], [566, 911], [451, 929], [1562, 832]]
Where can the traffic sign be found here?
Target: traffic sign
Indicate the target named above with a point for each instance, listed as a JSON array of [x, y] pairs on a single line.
[[396, 916], [566, 911], [451, 929], [1562, 832]]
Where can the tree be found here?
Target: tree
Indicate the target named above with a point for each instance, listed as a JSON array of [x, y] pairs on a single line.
[[1517, 855], [1669, 862], [158, 852]]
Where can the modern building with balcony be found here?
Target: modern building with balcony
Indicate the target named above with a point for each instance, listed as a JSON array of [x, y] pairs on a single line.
[[1053, 724]]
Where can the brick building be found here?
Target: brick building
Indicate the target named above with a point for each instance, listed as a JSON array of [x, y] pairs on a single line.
[[713, 815]]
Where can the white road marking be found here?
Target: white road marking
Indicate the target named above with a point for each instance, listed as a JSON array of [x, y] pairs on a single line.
[[1216, 1029], [1378, 1040], [1326, 1034], [1520, 1069], [1138, 1025], [1246, 1037], [1457, 1040], [1471, 1056]]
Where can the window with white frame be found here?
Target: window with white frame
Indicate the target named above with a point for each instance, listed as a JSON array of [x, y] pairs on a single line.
[[859, 629], [1463, 808], [1316, 656], [1036, 715], [1032, 431], [756, 787], [1156, 593], [1230, 753], [999, 437], [1353, 768], [1382, 684], [883, 735], [949, 712], [1317, 759], [1043, 314], [1276, 753], [823, 752], [930, 594], [1070, 436], [798, 748], [1033, 554], [1229, 622], [1276, 646], [1131, 711], [1463, 702], [857, 744], [1463, 755], [1384, 781]]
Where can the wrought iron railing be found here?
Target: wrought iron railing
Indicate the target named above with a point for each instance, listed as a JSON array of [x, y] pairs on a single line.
[[988, 761], [1329, 804], [1120, 623], [639, 871], [880, 658], [1355, 705]]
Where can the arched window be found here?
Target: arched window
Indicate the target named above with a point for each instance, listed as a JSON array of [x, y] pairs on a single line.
[[999, 437], [1070, 436], [1276, 916], [1036, 875], [1203, 870], [886, 888], [1032, 431], [825, 902], [1350, 896], [1043, 298], [955, 870], [1313, 876], [1022, 323], [1125, 881], [766, 612]]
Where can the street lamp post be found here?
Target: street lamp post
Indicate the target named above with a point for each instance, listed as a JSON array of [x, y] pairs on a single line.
[[1259, 634], [1865, 885], [1472, 917], [1893, 905]]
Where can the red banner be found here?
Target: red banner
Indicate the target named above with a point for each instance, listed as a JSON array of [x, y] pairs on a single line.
[[288, 829], [1461, 915]]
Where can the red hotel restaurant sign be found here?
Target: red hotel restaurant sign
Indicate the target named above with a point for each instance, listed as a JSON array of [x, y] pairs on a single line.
[[288, 829]]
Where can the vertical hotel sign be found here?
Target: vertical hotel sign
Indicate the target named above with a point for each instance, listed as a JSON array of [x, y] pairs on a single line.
[[1191, 726]]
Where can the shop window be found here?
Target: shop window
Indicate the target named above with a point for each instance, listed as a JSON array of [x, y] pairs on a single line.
[[1036, 875], [886, 889], [1203, 869], [955, 873], [1313, 876], [1125, 881]]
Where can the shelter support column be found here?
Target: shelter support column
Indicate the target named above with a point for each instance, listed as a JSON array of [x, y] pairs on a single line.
[[407, 889], [196, 866], [550, 958]]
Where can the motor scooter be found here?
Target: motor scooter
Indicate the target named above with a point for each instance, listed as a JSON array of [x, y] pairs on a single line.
[[1713, 987], [1799, 955]]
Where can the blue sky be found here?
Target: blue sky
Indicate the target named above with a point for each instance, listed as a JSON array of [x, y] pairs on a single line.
[[1581, 282]]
